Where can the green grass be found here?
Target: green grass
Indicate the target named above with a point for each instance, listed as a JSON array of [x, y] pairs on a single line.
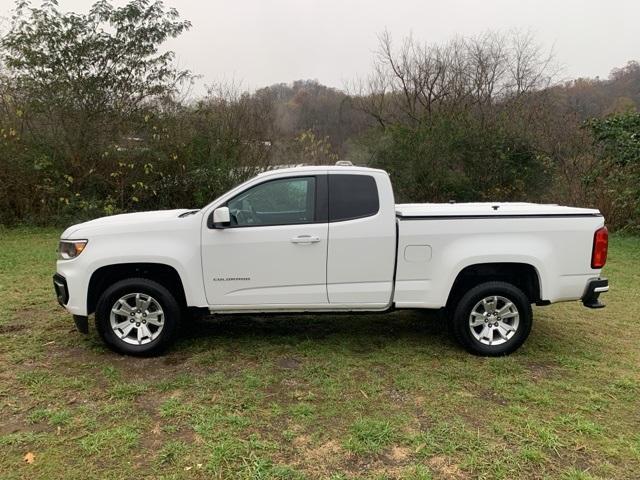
[[369, 436], [376, 397]]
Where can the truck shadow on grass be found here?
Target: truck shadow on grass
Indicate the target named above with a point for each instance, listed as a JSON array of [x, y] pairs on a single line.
[[365, 331]]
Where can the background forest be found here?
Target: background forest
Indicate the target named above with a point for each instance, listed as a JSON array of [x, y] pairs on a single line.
[[96, 119]]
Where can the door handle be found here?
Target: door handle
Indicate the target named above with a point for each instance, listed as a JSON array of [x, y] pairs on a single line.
[[305, 239]]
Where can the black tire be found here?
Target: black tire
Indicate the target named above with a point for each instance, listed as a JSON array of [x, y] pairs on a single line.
[[172, 314], [460, 322]]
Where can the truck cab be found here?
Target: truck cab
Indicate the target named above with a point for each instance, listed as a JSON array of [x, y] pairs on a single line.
[[291, 242]]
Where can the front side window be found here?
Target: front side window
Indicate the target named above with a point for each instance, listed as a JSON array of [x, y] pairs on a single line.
[[285, 201]]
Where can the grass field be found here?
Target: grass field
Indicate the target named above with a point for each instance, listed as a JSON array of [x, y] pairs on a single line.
[[341, 397]]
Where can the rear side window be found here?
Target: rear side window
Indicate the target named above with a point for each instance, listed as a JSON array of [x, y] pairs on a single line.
[[352, 196]]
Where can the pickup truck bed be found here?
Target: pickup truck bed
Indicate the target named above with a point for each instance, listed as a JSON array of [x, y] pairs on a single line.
[[552, 239]]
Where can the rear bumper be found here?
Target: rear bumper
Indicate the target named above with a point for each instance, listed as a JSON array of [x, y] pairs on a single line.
[[595, 287]]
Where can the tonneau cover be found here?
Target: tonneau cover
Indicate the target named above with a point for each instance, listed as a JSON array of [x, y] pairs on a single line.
[[488, 209]]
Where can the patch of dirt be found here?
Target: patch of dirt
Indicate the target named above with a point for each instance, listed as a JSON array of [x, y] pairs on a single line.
[[328, 458], [397, 396], [18, 425], [578, 457], [146, 369], [290, 383], [540, 371], [29, 314], [420, 421], [445, 468], [324, 455], [301, 441], [78, 353], [174, 359], [152, 440], [399, 454], [288, 363], [395, 473], [4, 329], [317, 461]]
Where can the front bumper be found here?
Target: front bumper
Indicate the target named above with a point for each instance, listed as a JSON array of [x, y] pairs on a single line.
[[62, 294], [72, 291], [61, 288], [595, 287]]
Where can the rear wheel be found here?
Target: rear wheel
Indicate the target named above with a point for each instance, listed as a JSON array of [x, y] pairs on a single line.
[[492, 319], [137, 316]]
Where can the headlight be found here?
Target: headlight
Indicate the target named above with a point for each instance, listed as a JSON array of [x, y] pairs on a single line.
[[68, 249]]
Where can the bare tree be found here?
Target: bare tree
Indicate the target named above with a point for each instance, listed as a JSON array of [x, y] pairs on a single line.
[[530, 67], [413, 81]]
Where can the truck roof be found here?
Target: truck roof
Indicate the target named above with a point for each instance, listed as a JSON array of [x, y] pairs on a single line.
[[314, 168]]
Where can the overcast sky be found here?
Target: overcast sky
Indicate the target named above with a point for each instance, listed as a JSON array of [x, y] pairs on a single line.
[[261, 42]]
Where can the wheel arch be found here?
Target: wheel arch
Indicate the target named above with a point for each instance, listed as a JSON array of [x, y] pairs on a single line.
[[107, 275], [523, 275]]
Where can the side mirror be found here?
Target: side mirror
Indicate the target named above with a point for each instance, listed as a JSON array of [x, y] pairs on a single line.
[[221, 217]]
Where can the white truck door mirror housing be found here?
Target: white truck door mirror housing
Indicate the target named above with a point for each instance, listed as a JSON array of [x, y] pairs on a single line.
[[221, 217]]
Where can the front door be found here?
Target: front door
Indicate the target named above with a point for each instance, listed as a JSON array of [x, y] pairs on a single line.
[[274, 253]]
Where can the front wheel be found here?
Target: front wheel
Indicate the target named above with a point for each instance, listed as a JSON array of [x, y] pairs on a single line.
[[492, 319], [137, 316]]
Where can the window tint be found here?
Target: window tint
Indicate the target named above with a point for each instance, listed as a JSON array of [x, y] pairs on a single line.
[[279, 202], [352, 196]]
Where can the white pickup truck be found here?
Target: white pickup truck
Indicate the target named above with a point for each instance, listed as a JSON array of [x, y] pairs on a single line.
[[330, 239]]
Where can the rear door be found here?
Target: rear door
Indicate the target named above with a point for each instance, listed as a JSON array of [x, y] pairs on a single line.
[[362, 239]]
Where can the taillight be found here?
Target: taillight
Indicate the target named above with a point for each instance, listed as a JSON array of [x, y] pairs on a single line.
[[600, 247]]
